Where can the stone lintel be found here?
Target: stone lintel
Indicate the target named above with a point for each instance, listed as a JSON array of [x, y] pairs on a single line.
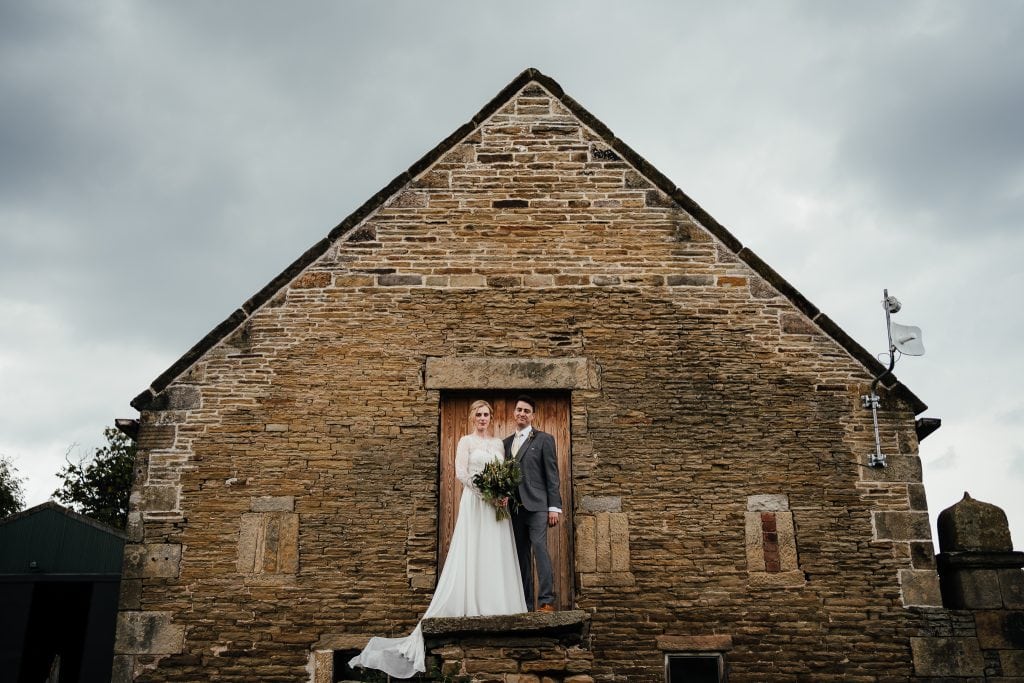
[[272, 504], [769, 502], [531, 623], [341, 641], [790, 579], [466, 372], [717, 643], [601, 504]]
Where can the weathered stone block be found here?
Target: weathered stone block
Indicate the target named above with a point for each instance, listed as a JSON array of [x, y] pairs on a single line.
[[795, 323], [1000, 629], [972, 589], [272, 504], [396, 280], [466, 281], [690, 280], [897, 468], [154, 436], [922, 555], [586, 550], [268, 543], [148, 633], [920, 588], [601, 504], [901, 526], [710, 643], [618, 535], [602, 542], [159, 499], [312, 280], [467, 372], [608, 579], [321, 663], [793, 579], [1012, 662], [769, 502], [152, 560], [947, 657], [1011, 586]]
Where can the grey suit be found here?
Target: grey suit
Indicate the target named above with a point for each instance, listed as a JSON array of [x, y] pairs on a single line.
[[538, 491]]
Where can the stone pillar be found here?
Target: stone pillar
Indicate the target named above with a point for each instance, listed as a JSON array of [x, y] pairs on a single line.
[[978, 568], [978, 571]]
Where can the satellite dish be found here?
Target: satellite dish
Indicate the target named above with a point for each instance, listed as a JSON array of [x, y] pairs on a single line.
[[907, 339]]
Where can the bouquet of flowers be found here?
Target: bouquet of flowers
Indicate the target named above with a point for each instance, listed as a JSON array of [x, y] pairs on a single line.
[[499, 479]]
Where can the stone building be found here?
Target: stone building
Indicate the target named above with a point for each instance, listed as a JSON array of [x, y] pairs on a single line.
[[294, 492]]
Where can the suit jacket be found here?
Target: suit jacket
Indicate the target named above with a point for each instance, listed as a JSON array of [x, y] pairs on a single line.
[[538, 489]]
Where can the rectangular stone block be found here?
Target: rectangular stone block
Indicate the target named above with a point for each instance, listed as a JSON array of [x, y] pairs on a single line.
[[1011, 586], [586, 557], [148, 633], [152, 560], [272, 504], [268, 543], [787, 541], [474, 372], [601, 504], [618, 531], [1000, 629], [897, 468], [920, 588], [771, 502], [153, 436], [972, 588], [608, 579], [602, 541], [159, 499], [1012, 662], [753, 540], [947, 657], [901, 526], [713, 643]]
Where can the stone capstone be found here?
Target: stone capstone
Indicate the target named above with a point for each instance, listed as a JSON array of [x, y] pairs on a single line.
[[973, 525]]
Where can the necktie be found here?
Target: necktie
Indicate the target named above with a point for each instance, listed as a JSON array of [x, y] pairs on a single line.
[[517, 443]]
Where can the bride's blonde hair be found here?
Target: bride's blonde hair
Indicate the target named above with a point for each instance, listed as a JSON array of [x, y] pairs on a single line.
[[472, 414]]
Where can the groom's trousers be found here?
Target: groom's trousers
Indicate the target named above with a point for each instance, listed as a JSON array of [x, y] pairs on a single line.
[[531, 531]]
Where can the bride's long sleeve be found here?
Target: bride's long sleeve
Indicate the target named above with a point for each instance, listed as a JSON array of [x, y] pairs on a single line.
[[462, 465]]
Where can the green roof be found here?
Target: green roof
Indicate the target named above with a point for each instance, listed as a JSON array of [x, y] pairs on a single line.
[[49, 539]]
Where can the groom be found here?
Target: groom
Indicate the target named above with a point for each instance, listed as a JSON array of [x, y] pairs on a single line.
[[541, 502]]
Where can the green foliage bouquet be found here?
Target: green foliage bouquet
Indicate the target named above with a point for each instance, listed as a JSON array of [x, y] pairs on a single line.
[[499, 479]]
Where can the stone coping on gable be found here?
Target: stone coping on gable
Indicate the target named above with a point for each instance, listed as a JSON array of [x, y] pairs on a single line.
[[351, 223], [472, 372]]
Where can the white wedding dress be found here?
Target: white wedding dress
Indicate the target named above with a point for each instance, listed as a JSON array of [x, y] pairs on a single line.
[[481, 573]]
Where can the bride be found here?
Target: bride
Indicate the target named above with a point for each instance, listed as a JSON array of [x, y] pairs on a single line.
[[481, 573]]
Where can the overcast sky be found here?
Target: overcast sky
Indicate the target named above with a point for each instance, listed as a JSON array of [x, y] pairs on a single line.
[[161, 161]]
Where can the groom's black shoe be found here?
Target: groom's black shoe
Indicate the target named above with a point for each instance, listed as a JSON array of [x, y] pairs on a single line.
[[546, 608]]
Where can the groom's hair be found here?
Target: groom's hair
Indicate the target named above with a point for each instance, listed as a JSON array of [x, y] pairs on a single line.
[[528, 400]]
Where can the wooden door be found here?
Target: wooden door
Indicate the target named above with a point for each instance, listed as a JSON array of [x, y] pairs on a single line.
[[552, 416]]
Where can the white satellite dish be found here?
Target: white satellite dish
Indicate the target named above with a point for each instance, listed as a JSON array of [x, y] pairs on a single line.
[[907, 339]]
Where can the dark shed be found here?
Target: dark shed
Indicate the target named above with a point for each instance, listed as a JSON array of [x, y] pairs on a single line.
[[59, 578]]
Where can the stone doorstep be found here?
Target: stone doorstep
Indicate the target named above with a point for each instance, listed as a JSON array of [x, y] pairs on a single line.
[[441, 630]]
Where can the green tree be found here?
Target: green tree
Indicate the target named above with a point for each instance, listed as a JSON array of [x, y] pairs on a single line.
[[12, 494], [99, 487]]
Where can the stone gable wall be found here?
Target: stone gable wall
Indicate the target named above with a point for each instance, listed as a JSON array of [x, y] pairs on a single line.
[[287, 484]]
